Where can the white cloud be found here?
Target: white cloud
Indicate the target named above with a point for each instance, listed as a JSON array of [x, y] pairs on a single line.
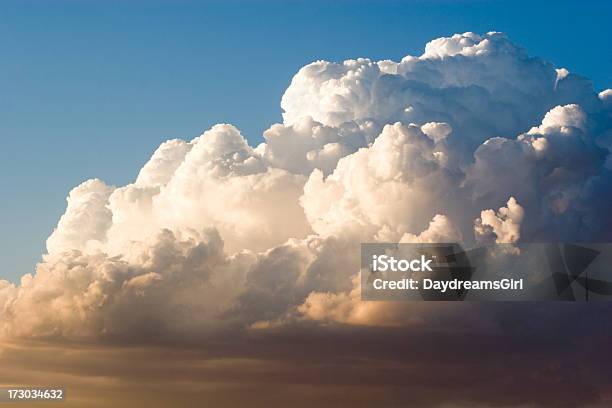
[[164, 162], [505, 224], [86, 219], [560, 118], [306, 144], [440, 229], [214, 233], [394, 186], [436, 131], [172, 283], [465, 81]]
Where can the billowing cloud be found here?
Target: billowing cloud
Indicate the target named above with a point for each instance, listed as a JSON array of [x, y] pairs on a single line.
[[504, 224], [472, 140], [482, 86], [168, 284], [395, 186], [86, 220]]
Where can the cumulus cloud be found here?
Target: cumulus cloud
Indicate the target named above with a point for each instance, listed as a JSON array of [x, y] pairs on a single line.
[[348, 308], [482, 86], [393, 187], [216, 235], [440, 229], [505, 224], [86, 219], [169, 284]]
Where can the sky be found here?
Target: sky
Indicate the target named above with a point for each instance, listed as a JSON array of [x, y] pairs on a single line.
[[90, 89], [196, 266]]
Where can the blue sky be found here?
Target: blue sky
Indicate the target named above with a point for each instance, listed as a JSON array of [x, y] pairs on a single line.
[[90, 89]]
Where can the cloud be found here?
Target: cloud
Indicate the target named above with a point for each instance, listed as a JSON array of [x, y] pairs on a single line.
[[505, 224], [215, 236], [173, 283], [307, 145], [86, 219], [535, 355], [556, 171], [393, 187], [482, 86]]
